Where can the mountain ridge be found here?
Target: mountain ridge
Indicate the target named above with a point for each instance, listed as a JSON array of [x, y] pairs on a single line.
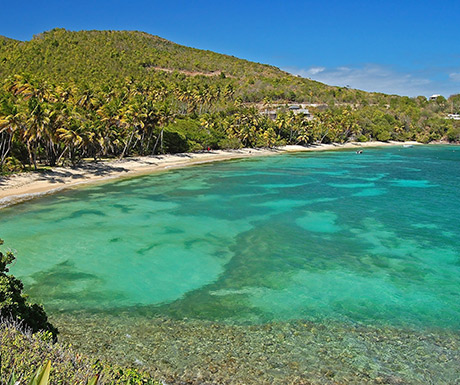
[[102, 56]]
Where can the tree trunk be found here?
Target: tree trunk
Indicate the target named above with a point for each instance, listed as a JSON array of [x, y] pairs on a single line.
[[32, 156], [147, 146], [62, 154], [5, 147], [127, 144], [156, 143], [51, 154]]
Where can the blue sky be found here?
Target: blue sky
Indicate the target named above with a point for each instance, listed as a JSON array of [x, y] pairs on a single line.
[[404, 47]]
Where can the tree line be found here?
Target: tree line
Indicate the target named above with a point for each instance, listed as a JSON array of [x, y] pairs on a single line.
[[45, 123]]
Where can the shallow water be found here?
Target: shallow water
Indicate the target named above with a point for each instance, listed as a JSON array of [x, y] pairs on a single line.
[[362, 247]]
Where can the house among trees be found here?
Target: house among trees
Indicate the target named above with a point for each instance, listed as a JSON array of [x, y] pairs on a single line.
[[299, 109], [434, 97], [296, 109]]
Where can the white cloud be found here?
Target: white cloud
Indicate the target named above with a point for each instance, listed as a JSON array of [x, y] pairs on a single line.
[[315, 70], [378, 78], [455, 76]]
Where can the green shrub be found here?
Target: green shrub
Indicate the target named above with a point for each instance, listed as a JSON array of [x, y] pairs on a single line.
[[362, 138], [230, 144], [174, 142], [383, 136], [14, 304], [24, 353], [198, 137], [194, 146], [12, 165], [453, 134]]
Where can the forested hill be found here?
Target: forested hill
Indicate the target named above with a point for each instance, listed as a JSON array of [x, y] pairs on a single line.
[[98, 54], [69, 95], [95, 57]]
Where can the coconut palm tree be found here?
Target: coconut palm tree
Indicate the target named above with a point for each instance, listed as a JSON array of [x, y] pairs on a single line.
[[35, 129], [133, 122], [11, 121], [165, 116]]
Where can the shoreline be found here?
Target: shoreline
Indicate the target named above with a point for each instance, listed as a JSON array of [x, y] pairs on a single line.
[[25, 186]]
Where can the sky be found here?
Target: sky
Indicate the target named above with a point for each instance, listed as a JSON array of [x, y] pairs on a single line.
[[403, 47]]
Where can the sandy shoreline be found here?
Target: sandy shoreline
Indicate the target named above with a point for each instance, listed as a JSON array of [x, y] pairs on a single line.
[[25, 186]]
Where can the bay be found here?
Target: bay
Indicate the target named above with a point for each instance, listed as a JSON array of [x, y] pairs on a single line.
[[332, 250]]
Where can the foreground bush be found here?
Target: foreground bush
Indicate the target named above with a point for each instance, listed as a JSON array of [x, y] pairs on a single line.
[[14, 304], [24, 353]]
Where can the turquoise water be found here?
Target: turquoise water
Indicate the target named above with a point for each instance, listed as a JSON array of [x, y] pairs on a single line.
[[369, 238], [296, 266]]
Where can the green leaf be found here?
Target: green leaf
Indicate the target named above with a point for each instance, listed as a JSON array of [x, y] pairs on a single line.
[[45, 375], [12, 380], [42, 375], [94, 380]]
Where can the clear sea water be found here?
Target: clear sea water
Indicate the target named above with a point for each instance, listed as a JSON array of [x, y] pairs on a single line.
[[331, 238]]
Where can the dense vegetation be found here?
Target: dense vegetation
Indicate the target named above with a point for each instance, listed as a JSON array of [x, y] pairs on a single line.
[[14, 305], [21, 353], [69, 95]]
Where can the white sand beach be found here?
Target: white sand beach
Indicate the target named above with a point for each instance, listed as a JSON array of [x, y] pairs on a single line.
[[25, 186]]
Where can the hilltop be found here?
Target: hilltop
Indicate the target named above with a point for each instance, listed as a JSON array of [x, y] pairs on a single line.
[[97, 57], [101, 57]]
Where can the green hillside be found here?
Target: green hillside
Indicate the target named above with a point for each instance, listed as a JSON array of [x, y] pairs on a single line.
[[69, 95], [96, 57], [120, 53]]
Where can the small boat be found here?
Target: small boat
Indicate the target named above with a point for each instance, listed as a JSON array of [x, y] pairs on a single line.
[[408, 145]]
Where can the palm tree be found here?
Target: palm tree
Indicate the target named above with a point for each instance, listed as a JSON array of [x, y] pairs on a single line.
[[111, 115], [38, 119], [133, 120], [305, 134], [11, 121], [165, 116], [72, 137]]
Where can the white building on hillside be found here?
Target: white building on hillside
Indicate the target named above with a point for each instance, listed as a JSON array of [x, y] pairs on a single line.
[[296, 109]]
